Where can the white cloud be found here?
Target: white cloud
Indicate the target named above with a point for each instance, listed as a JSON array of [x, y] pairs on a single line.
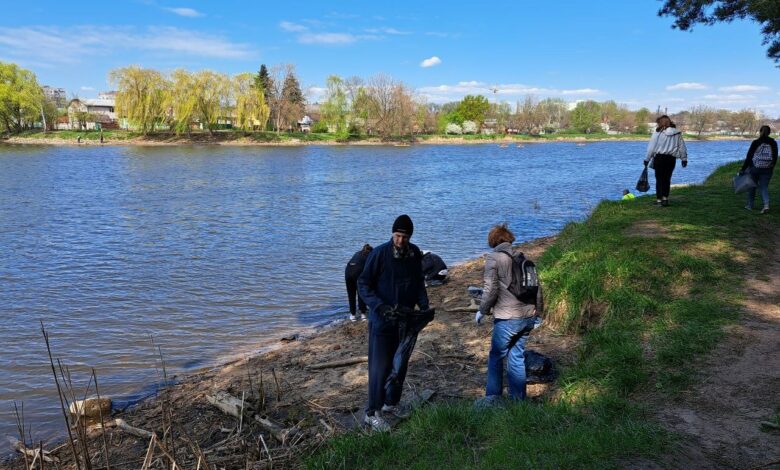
[[581, 92], [314, 94], [687, 86], [188, 12], [292, 27], [392, 31], [79, 43], [430, 62], [444, 93], [87, 88], [743, 88], [730, 98], [327, 38]]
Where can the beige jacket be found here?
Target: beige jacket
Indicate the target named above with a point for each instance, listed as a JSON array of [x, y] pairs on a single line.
[[495, 296]]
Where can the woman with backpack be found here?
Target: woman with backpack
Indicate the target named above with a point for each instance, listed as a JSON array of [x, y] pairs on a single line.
[[513, 319], [351, 274], [760, 162], [665, 147]]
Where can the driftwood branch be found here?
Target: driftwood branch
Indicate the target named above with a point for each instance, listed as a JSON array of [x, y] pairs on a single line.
[[227, 403], [138, 432], [277, 431], [339, 363], [34, 453]]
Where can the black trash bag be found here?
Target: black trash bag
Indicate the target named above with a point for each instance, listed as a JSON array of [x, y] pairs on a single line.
[[538, 368], [643, 185]]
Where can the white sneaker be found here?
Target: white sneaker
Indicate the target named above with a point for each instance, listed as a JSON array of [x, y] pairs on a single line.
[[363, 316], [396, 410], [352, 317], [376, 423]]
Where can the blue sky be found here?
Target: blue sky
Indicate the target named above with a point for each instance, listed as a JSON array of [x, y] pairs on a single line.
[[573, 49]]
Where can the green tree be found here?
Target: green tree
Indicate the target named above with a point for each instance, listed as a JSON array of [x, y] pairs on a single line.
[[263, 81], [212, 95], [21, 98], [294, 100], [251, 109], [641, 118], [586, 117], [688, 13], [182, 100], [335, 109], [473, 108], [142, 95]]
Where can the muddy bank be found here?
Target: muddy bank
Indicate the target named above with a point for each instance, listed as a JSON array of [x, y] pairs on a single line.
[[308, 403]]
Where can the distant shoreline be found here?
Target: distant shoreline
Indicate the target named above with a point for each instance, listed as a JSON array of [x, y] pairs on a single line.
[[237, 140]]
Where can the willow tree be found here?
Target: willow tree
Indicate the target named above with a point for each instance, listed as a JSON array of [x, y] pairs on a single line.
[[21, 98], [212, 97], [335, 109], [141, 98], [182, 100], [251, 109]]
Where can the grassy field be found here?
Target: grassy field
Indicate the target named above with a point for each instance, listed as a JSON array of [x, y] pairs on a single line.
[[649, 290]]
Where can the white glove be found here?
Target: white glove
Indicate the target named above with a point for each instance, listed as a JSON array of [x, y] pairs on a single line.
[[478, 317]]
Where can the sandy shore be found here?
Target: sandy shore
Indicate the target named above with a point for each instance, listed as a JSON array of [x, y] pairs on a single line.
[[449, 360]]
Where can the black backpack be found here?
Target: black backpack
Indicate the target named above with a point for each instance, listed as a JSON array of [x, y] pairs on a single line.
[[525, 283]]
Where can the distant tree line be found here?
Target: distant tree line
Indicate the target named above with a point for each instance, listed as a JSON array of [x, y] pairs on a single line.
[[272, 100]]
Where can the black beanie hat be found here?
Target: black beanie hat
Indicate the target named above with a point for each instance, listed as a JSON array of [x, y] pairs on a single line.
[[403, 224]]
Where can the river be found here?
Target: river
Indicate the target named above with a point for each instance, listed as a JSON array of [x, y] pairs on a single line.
[[214, 252]]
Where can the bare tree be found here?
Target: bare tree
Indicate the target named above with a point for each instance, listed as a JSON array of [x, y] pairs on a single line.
[[701, 118]]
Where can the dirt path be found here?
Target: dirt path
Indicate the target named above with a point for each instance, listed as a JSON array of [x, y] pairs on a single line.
[[721, 415]]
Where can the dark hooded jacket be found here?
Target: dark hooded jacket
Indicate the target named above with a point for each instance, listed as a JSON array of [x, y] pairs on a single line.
[[391, 281]]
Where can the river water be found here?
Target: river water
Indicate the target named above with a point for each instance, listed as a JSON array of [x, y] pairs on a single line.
[[213, 252]]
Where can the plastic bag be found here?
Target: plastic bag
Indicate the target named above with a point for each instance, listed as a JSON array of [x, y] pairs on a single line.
[[643, 185], [743, 182]]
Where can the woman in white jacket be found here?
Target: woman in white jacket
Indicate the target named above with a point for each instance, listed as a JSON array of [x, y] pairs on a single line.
[[665, 147]]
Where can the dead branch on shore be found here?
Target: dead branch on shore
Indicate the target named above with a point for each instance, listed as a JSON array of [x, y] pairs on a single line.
[[340, 363]]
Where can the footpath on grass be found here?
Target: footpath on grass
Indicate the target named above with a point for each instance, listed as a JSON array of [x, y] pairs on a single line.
[[663, 323]]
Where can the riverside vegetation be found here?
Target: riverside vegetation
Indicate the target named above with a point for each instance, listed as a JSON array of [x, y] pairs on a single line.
[[648, 292], [636, 295]]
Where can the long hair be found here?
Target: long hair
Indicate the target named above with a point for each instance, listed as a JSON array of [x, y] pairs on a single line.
[[666, 120], [764, 131], [500, 234]]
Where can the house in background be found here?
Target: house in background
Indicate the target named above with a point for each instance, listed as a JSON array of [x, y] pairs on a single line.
[[91, 113], [304, 125]]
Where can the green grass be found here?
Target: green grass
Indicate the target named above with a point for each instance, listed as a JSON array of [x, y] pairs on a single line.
[[73, 135], [645, 308]]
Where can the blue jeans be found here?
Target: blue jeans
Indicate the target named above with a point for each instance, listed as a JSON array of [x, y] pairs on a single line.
[[761, 176], [509, 338]]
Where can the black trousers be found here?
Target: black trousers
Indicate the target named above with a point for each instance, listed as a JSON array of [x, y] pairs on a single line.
[[664, 167], [352, 293], [388, 361]]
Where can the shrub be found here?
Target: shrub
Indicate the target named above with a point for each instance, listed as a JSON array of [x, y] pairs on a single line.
[[453, 128], [469, 127]]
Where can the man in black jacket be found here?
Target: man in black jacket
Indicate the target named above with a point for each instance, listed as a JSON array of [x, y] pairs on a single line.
[[392, 284]]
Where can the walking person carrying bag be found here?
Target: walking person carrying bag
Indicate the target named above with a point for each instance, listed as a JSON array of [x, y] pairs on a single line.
[[664, 148]]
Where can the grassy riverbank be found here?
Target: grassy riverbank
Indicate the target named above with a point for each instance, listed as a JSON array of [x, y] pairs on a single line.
[[648, 290], [234, 137]]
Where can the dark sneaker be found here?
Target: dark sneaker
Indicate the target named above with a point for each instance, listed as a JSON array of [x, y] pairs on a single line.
[[665, 203], [765, 210], [490, 401], [396, 410], [657, 203], [376, 423]]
